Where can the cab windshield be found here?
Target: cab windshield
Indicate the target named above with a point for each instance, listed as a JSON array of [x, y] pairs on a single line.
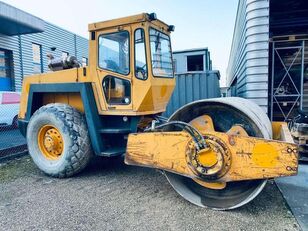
[[161, 54]]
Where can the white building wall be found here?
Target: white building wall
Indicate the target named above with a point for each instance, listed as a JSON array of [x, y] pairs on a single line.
[[181, 59], [248, 61]]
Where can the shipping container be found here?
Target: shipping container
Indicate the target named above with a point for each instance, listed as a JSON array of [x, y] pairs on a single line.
[[192, 86]]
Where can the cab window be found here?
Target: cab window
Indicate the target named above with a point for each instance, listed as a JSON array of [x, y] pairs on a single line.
[[114, 52], [141, 70], [161, 54], [116, 90]]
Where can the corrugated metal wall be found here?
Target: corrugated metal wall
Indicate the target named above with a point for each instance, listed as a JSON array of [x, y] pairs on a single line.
[[53, 36], [191, 87], [248, 61], [82, 47]]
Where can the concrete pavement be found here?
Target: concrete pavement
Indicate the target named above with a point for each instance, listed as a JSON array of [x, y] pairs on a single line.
[[295, 191]]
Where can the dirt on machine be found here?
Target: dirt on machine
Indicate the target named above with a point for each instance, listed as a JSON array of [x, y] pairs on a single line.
[[216, 153]]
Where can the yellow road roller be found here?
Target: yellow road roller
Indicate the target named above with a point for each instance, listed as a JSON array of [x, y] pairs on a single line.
[[215, 153]]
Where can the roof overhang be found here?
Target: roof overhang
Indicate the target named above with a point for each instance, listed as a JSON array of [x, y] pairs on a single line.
[[16, 22]]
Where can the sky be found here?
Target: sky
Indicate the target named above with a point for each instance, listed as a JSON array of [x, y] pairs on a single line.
[[198, 23]]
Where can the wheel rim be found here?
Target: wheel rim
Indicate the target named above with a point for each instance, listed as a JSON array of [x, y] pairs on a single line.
[[50, 142]]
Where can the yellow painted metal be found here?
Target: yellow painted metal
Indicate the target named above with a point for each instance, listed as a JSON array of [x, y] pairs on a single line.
[[73, 99], [219, 163], [134, 19], [211, 185], [276, 127], [251, 158], [237, 130], [50, 142], [280, 132], [148, 97], [66, 76], [203, 123], [208, 157], [164, 150]]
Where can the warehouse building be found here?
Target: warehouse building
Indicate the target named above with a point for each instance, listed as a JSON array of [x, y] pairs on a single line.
[[25, 40], [269, 57]]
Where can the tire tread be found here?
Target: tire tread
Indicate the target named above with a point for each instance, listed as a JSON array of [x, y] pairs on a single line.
[[80, 152]]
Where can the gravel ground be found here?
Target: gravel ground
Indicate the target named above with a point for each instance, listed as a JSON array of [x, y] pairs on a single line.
[[112, 196]]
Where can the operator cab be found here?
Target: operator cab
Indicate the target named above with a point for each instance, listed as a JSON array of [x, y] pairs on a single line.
[[133, 60]]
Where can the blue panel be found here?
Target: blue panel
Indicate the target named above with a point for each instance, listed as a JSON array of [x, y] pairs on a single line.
[[11, 27], [5, 84], [191, 87], [189, 90], [11, 43]]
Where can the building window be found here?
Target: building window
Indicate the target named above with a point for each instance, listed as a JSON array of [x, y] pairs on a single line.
[[84, 61], [141, 70], [195, 63], [64, 54], [5, 70], [37, 58], [114, 52]]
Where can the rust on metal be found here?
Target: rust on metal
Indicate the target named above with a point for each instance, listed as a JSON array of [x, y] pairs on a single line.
[[252, 158]]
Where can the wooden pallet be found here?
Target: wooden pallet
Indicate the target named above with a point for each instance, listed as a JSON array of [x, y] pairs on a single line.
[[299, 133]]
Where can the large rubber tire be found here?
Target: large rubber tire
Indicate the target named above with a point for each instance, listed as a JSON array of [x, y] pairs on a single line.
[[72, 126]]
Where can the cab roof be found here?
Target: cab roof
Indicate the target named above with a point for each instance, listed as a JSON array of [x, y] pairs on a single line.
[[144, 17]]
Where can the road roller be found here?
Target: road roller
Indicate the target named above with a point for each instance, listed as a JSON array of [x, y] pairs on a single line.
[[216, 153]]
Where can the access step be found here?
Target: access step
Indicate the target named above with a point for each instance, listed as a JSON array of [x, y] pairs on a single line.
[[115, 131], [113, 152]]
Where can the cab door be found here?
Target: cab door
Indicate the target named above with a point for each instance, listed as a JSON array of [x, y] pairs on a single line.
[[115, 68]]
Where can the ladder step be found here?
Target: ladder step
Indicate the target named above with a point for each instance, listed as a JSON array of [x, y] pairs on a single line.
[[115, 131], [113, 152]]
